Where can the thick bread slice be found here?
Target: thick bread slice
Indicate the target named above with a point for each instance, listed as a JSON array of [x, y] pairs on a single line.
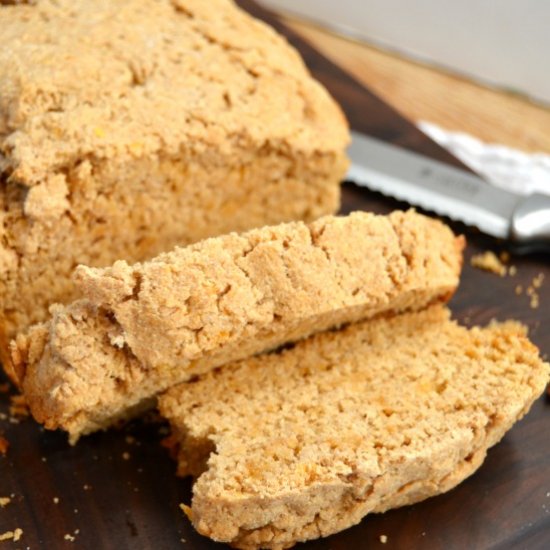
[[300, 444], [146, 327], [130, 127]]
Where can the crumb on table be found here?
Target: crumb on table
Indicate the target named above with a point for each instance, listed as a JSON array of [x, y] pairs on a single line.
[[532, 290], [18, 406], [12, 535], [383, 539], [537, 281], [187, 511], [504, 257], [489, 261], [4, 501]]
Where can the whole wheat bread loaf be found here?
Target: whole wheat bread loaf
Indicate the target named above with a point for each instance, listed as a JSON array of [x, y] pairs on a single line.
[[130, 127], [144, 328], [303, 443]]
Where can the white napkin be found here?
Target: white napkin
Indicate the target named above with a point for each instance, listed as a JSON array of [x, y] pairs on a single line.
[[502, 166]]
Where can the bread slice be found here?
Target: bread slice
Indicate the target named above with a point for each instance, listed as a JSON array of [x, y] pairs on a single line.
[[300, 444], [127, 128], [146, 327]]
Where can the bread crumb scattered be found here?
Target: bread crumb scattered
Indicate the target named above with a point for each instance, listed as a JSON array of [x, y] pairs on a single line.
[[125, 455], [504, 256], [187, 511], [130, 439], [4, 445], [512, 270], [69, 537], [537, 281], [489, 261], [383, 539], [519, 290], [4, 501], [86, 487], [18, 406], [12, 535]]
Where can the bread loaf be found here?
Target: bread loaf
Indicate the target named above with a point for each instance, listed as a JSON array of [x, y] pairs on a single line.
[[129, 127], [300, 444], [140, 329]]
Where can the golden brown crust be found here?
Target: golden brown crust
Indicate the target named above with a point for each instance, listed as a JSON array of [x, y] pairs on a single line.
[[145, 327], [108, 152], [300, 444], [147, 58]]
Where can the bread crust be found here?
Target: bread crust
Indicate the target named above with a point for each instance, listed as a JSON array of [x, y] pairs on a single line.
[[107, 150], [142, 328]]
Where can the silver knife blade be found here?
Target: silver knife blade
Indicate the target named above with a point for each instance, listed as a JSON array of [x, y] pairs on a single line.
[[432, 185]]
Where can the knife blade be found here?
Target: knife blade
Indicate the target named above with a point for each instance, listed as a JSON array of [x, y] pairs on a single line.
[[450, 191]]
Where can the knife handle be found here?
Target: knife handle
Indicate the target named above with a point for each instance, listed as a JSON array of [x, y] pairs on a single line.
[[531, 222]]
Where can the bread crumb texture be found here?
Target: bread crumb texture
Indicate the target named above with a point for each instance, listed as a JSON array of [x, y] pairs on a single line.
[[129, 127], [145, 327], [303, 443]]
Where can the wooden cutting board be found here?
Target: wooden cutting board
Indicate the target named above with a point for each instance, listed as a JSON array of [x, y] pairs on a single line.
[[117, 490]]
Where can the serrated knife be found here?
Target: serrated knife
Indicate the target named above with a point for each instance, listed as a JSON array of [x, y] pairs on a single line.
[[449, 191]]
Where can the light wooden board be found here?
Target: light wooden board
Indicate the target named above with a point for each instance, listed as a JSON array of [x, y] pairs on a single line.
[[423, 93]]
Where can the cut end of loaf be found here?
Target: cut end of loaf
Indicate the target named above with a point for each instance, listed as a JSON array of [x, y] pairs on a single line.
[[381, 414]]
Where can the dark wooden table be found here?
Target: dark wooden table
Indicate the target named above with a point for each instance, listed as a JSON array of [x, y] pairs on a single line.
[[117, 490]]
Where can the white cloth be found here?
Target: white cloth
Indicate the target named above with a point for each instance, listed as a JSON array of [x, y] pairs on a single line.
[[502, 166]]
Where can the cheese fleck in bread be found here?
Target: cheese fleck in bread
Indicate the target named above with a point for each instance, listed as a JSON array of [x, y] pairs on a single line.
[[143, 328], [300, 444]]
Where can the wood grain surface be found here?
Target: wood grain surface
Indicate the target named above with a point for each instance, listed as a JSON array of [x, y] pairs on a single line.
[[117, 490], [422, 92]]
